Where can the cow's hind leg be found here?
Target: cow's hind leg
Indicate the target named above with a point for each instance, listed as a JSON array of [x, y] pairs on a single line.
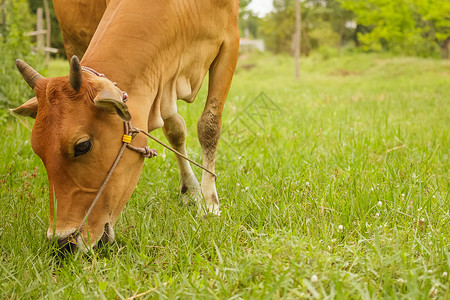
[[175, 130], [209, 125]]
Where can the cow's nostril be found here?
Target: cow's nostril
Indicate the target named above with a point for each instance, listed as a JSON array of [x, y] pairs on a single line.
[[68, 244], [108, 235]]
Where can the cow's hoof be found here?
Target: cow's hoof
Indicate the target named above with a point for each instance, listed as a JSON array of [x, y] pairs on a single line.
[[190, 190], [209, 210], [193, 195]]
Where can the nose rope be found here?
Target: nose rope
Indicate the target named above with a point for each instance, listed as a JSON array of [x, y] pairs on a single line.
[[100, 191], [129, 133]]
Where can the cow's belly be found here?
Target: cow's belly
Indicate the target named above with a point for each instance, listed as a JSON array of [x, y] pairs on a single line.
[[188, 79]]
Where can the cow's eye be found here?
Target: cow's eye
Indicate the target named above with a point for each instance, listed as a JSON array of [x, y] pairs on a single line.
[[82, 148]]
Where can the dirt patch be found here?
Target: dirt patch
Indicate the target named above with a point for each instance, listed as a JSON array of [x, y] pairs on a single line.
[[344, 73], [248, 67]]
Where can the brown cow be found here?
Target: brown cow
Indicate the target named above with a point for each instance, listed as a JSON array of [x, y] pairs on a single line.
[[156, 51]]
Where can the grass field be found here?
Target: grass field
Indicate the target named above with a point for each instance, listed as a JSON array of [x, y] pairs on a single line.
[[333, 187]]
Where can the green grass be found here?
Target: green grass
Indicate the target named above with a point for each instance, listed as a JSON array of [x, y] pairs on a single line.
[[347, 183]]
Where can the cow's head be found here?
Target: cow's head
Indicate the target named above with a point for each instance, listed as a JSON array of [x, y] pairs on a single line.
[[77, 134]]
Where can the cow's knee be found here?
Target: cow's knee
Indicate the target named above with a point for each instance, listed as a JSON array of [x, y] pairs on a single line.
[[209, 127], [175, 130]]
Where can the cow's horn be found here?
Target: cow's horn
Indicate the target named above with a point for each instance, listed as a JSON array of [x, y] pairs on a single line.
[[30, 75], [75, 73]]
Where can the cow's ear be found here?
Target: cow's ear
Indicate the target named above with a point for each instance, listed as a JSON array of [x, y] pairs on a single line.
[[112, 102], [28, 109]]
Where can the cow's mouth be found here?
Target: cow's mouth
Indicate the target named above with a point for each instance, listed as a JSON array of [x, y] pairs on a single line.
[[74, 242], [68, 244], [108, 235]]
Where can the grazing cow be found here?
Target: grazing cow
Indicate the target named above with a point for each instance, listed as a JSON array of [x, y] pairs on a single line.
[[156, 51]]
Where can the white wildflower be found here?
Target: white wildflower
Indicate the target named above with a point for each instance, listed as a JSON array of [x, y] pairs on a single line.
[[314, 278]]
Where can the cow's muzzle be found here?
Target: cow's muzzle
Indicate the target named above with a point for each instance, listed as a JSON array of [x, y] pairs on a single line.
[[69, 242]]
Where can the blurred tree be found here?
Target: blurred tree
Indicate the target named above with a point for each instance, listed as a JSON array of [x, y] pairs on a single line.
[[414, 27], [338, 18], [329, 23], [250, 25], [323, 25], [278, 27], [16, 21], [248, 21], [244, 3], [435, 22]]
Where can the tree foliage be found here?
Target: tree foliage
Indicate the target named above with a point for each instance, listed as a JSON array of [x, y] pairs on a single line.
[[278, 27], [414, 27], [411, 27], [323, 25]]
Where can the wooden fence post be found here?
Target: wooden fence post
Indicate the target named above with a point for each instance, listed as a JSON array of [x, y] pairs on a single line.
[[39, 28], [49, 31]]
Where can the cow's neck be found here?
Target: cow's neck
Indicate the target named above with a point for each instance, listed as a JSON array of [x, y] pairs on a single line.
[[141, 90], [123, 51]]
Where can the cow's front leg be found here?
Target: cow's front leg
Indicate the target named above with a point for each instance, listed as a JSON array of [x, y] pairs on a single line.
[[175, 130]]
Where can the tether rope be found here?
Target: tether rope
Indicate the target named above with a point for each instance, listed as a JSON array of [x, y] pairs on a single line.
[[174, 151]]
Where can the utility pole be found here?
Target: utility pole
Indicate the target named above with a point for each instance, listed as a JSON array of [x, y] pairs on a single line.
[[298, 20], [48, 35]]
